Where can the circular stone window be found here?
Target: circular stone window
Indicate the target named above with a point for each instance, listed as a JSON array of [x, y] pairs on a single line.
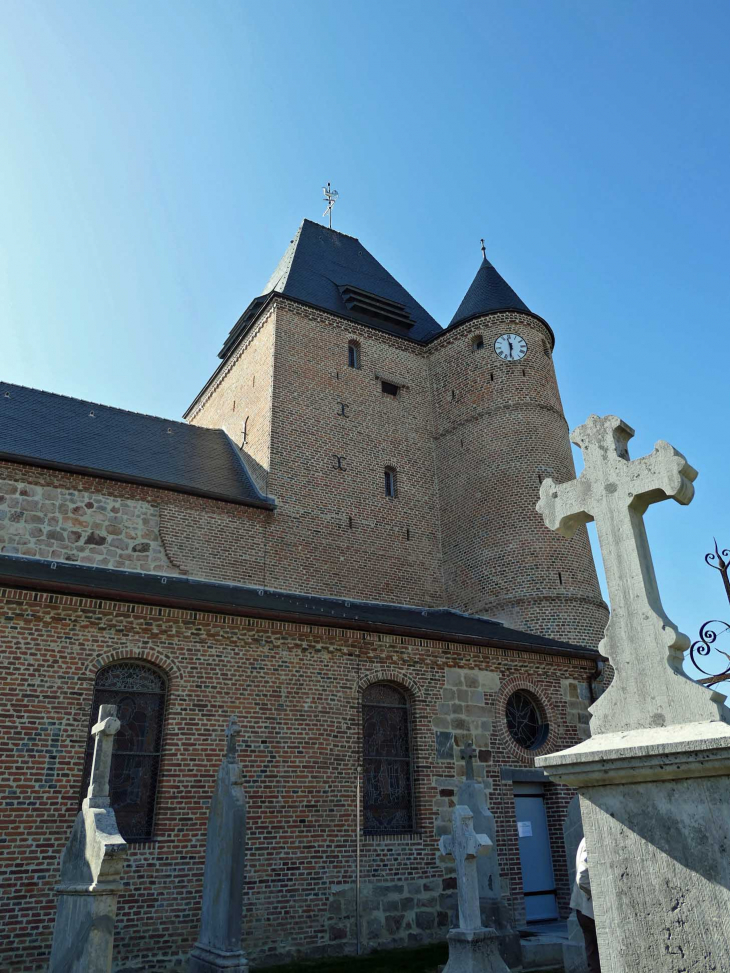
[[526, 720]]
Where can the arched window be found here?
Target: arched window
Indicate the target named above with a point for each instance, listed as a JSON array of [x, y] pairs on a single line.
[[138, 691], [387, 761], [477, 342], [391, 482], [353, 354]]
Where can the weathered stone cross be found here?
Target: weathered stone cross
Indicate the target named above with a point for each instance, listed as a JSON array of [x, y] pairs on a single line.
[[462, 846], [232, 731], [103, 733], [615, 492], [468, 753]]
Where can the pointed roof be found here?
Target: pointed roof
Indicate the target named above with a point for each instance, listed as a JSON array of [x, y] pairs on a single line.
[[489, 292], [334, 271]]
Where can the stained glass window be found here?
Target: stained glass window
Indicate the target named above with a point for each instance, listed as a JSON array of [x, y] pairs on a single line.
[[138, 691], [525, 721], [387, 765]]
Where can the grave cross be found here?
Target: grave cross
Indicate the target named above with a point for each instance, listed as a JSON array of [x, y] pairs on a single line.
[[232, 731], [467, 755], [103, 733], [462, 846], [615, 492]]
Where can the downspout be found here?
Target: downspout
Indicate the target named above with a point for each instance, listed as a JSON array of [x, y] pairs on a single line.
[[596, 674]]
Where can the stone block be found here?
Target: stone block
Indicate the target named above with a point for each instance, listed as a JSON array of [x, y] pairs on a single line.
[[444, 745], [425, 920]]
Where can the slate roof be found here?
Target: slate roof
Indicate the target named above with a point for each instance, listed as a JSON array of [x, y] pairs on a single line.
[[230, 599], [489, 292], [45, 429], [318, 263]]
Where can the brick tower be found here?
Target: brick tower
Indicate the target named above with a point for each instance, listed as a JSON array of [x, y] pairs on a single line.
[[335, 378], [500, 430]]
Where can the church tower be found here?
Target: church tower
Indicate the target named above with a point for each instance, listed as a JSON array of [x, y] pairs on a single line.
[[500, 430]]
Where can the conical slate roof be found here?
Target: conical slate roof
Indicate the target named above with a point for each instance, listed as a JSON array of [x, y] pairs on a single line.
[[489, 292]]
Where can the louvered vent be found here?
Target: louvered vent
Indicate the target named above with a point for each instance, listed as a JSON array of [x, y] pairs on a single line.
[[375, 308]]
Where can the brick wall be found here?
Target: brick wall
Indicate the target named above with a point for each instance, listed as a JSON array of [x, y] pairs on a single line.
[[500, 431], [470, 437], [296, 691]]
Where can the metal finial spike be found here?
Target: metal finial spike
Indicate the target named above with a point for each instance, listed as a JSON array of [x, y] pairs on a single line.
[[330, 197], [484, 249]]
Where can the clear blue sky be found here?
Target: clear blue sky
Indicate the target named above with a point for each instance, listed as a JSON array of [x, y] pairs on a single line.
[[156, 158]]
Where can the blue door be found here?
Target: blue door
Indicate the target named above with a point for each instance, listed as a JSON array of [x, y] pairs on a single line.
[[538, 880]]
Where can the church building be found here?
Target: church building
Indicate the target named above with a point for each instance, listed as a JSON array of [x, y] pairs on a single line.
[[340, 547]]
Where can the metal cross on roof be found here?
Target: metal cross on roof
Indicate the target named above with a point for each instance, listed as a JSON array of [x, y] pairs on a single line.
[[484, 249], [330, 197]]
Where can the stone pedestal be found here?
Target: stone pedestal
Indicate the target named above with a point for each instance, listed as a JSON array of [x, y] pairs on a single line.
[[91, 866], [474, 951], [219, 943], [493, 909], [656, 811]]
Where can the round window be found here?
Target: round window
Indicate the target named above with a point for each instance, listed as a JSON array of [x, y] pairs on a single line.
[[526, 721]]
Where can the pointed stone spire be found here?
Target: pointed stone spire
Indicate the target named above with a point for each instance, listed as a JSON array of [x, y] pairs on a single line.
[[489, 292]]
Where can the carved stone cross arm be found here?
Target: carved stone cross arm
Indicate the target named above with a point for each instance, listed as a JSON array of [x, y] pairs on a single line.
[[615, 492], [103, 733], [462, 846]]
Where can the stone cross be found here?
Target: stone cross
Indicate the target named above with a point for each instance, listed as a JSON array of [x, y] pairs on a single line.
[[462, 846], [644, 647], [232, 731], [103, 733], [468, 753]]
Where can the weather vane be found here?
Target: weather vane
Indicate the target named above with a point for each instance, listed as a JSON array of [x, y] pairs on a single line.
[[330, 197], [484, 249]]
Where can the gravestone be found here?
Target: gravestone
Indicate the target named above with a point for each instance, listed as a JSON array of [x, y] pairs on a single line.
[[91, 867], [494, 910], [472, 947], [654, 778], [219, 943], [574, 951]]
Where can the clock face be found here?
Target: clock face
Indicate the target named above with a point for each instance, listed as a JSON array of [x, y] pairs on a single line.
[[510, 347]]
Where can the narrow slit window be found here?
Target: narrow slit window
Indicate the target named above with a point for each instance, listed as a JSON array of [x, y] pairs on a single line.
[[353, 354], [477, 342], [391, 482]]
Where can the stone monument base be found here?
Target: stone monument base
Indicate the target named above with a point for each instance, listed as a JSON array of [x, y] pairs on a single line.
[[655, 809], [209, 959], [474, 951], [496, 916]]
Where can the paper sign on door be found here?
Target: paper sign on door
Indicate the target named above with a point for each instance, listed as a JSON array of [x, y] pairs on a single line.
[[524, 829]]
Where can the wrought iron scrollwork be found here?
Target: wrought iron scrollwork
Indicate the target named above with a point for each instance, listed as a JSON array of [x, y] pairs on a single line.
[[711, 630]]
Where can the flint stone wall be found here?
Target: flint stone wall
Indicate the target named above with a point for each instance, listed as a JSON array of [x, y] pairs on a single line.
[[86, 528]]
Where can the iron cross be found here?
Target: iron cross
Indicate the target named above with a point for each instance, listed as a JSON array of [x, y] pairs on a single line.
[[615, 492], [467, 755]]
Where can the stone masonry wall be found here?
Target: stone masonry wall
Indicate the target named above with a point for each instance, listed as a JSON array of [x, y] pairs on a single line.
[[47, 516], [295, 689], [88, 528]]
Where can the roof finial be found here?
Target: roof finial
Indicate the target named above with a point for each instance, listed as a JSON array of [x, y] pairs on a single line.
[[330, 197], [484, 249]]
